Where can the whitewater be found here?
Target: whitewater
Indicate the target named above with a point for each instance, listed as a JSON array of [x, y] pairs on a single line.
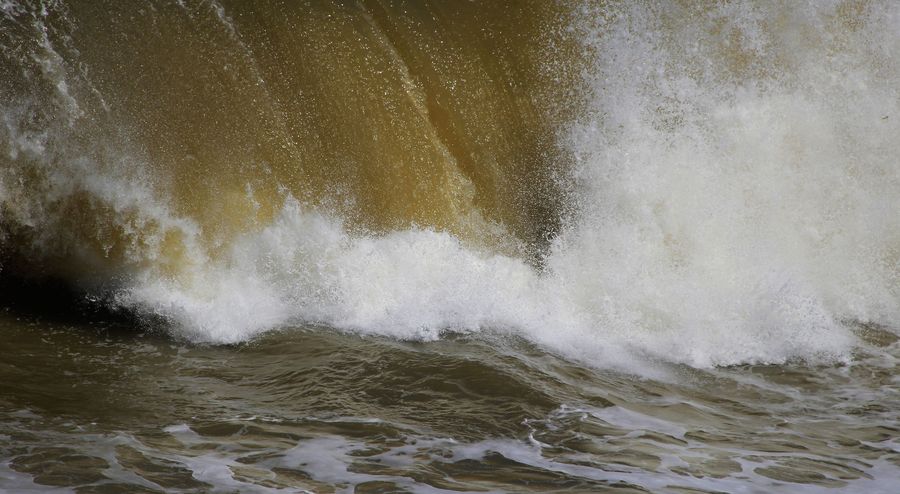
[[716, 213]]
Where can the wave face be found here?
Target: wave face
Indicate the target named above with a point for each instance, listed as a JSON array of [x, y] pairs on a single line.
[[708, 185]]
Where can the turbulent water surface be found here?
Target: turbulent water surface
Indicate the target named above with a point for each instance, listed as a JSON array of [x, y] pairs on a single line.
[[435, 246]]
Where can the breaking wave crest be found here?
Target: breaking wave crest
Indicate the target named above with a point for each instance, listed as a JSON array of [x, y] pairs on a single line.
[[723, 187]]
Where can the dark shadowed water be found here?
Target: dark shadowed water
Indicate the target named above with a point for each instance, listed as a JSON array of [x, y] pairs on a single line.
[[101, 407]]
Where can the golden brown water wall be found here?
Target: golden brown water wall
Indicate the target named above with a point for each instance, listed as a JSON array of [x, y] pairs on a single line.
[[440, 114]]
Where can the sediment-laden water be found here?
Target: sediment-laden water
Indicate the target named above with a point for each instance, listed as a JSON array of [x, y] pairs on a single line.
[[435, 246]]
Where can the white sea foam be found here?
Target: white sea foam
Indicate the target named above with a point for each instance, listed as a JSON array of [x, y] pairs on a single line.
[[414, 284]]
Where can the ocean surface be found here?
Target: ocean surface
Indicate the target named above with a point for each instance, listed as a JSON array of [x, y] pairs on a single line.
[[446, 246]]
